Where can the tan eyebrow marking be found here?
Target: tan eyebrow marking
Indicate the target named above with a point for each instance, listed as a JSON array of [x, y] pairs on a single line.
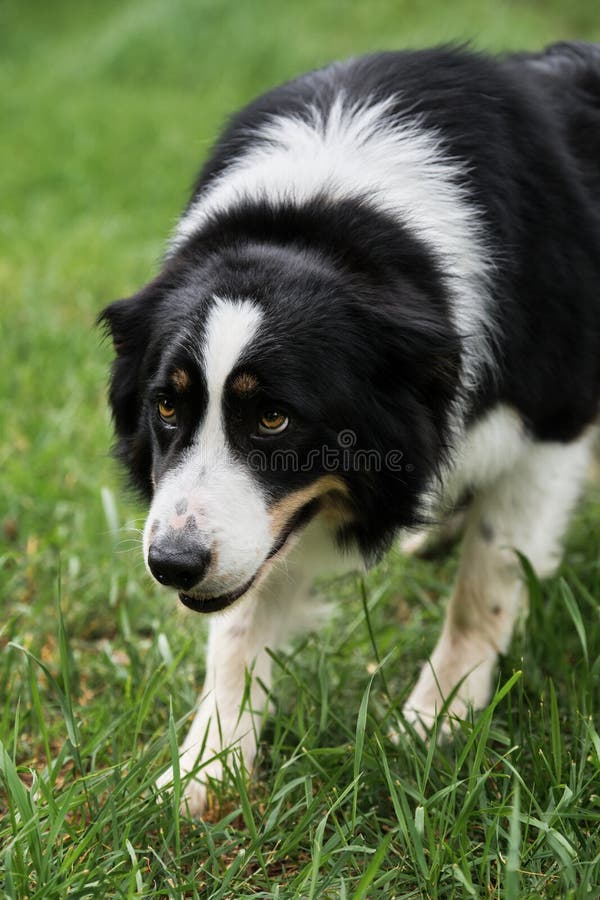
[[244, 383], [181, 380]]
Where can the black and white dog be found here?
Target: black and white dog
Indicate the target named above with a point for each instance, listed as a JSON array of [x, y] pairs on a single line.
[[382, 302]]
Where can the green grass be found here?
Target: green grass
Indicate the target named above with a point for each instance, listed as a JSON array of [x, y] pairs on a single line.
[[106, 110]]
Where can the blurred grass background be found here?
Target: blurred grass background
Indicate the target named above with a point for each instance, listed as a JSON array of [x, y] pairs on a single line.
[[107, 110]]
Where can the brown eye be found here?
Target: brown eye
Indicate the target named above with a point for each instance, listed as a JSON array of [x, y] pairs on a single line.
[[272, 422], [166, 411]]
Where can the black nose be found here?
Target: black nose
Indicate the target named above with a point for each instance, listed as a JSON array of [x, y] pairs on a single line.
[[178, 562]]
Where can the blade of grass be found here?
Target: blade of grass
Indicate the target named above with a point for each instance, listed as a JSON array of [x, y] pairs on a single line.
[[361, 724], [512, 888], [372, 869], [575, 613]]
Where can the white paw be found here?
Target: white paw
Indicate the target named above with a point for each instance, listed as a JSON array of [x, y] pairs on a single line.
[[194, 797], [452, 684], [423, 718]]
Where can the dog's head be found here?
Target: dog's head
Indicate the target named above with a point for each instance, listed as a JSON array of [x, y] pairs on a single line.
[[259, 386]]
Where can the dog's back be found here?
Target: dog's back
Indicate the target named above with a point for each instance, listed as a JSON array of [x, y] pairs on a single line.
[[570, 73]]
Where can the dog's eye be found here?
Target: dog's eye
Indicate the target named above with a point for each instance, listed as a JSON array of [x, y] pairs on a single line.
[[166, 411], [272, 422]]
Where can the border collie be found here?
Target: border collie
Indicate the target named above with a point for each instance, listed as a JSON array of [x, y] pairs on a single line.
[[381, 305]]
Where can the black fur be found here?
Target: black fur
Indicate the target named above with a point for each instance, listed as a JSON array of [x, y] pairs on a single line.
[[357, 330]]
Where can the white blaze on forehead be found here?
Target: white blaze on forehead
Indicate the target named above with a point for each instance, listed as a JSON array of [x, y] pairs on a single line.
[[399, 164], [230, 327]]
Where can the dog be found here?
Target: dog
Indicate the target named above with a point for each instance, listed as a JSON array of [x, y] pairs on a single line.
[[380, 306]]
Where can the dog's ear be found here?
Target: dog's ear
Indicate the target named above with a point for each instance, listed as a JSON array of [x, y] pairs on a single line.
[[129, 324], [127, 321], [123, 321], [410, 357], [412, 343]]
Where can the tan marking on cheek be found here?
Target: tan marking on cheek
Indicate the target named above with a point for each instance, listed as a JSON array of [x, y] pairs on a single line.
[[336, 509], [244, 384], [283, 512], [181, 380]]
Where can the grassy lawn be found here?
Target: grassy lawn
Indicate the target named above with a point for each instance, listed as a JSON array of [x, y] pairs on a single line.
[[106, 110]]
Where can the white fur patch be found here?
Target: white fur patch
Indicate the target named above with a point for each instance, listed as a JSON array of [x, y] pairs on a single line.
[[400, 166], [490, 447], [230, 327]]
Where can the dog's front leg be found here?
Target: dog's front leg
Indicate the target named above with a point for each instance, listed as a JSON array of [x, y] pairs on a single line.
[[232, 703]]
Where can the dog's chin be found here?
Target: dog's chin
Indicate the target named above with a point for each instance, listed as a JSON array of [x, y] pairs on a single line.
[[215, 604]]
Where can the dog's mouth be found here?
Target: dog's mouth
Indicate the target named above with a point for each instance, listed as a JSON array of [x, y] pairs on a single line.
[[201, 604], [215, 604]]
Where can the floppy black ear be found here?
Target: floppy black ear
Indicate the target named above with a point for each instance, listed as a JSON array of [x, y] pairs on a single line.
[[129, 323], [411, 356], [416, 346], [418, 380]]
